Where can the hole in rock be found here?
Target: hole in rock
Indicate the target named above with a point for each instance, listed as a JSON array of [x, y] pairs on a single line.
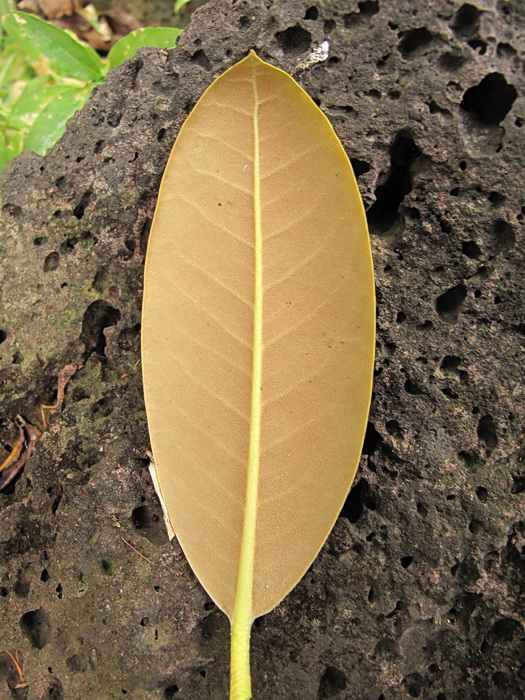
[[51, 262], [504, 236], [44, 576], [55, 691], [394, 429], [103, 407], [98, 315], [412, 388], [3, 336], [312, 13], [475, 526], [496, 198], [200, 58], [466, 20], [413, 684], [451, 61], [478, 45], [450, 364], [487, 433], [368, 8], [332, 681], [360, 166], [449, 303], [414, 39], [482, 494], [36, 625], [170, 691], [518, 484], [359, 498], [12, 209], [150, 523], [114, 119], [79, 210], [294, 40], [107, 567], [372, 441], [449, 393], [384, 212], [406, 561], [491, 100], [471, 249], [506, 628]]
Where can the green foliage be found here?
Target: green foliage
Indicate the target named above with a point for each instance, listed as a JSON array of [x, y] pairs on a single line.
[[67, 56], [158, 37], [47, 74], [179, 4]]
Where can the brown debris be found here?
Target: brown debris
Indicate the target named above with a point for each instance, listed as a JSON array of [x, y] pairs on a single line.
[[21, 451], [64, 376], [14, 674], [29, 434]]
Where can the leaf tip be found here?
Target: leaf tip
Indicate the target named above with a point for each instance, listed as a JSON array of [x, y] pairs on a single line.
[[252, 56]]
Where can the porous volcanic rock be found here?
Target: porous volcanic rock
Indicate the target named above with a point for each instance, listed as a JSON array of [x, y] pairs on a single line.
[[417, 591]]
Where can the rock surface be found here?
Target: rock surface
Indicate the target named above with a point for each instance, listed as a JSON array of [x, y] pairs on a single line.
[[417, 591]]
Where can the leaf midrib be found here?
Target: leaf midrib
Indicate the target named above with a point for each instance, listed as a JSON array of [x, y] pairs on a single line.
[[242, 613]]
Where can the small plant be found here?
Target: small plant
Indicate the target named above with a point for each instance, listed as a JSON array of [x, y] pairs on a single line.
[[47, 74]]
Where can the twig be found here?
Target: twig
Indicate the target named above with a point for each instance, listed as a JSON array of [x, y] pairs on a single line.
[[135, 550]]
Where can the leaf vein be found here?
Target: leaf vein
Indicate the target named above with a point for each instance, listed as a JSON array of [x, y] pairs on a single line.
[[222, 228], [214, 279], [210, 392], [210, 437], [222, 179], [299, 266], [225, 328], [306, 318]]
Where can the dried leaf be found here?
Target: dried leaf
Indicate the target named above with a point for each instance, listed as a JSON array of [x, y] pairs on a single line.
[[258, 337]]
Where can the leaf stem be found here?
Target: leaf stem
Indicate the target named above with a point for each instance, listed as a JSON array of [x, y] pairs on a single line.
[[240, 688], [240, 679]]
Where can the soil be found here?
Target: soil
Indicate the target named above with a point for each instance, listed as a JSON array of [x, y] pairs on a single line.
[[419, 589]]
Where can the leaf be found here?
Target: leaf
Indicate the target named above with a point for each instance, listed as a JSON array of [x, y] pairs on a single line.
[[68, 57], [31, 102], [179, 4], [5, 156], [257, 341], [50, 124], [157, 37]]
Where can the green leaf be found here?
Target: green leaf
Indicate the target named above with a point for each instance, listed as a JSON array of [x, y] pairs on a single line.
[[14, 65], [32, 101], [179, 4], [68, 56], [5, 156], [49, 126], [157, 37]]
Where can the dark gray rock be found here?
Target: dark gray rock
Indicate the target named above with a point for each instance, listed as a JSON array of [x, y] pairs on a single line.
[[417, 592]]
